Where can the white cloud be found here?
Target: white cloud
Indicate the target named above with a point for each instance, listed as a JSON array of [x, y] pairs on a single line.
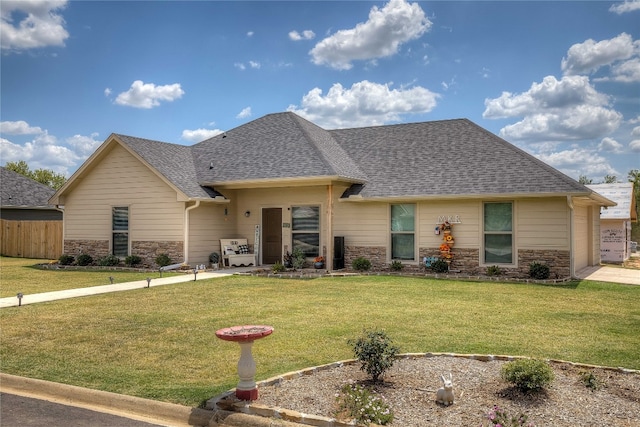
[[634, 146], [380, 36], [84, 145], [567, 109], [610, 145], [41, 27], [19, 128], [254, 64], [43, 151], [246, 112], [624, 72], [624, 7], [240, 66], [578, 161], [589, 56], [250, 33], [635, 131], [306, 35], [198, 135], [364, 104], [107, 92], [148, 95]]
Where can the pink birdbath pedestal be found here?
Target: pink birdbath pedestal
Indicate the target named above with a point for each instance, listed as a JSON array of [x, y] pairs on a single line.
[[245, 336]]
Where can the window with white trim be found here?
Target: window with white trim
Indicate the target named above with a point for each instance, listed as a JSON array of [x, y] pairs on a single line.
[[403, 226], [305, 229], [120, 231], [498, 233]]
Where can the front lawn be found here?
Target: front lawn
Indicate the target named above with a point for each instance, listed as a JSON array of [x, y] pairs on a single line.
[[160, 343], [22, 275]]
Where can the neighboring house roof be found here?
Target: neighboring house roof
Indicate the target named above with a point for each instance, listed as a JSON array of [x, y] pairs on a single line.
[[20, 192], [622, 194], [448, 158]]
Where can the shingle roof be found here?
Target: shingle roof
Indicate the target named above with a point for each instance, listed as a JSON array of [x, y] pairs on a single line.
[[429, 159], [173, 161], [445, 158], [19, 191], [276, 146]]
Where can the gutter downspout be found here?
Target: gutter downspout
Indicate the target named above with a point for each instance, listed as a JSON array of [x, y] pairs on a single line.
[[571, 233], [186, 230]]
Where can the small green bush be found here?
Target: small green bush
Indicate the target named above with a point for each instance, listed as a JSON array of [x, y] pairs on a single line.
[[527, 374], [493, 270], [439, 266], [362, 405], [278, 267], [361, 264], [132, 260], [298, 258], [539, 271], [66, 259], [214, 257], [375, 351], [396, 266], [163, 260], [590, 380], [84, 260], [109, 261]]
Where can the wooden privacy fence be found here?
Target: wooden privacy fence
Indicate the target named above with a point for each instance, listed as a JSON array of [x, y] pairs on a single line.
[[31, 239]]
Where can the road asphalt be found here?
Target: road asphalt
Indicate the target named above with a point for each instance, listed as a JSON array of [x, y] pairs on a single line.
[[26, 402]]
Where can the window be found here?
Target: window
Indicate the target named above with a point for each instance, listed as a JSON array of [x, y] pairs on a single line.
[[402, 231], [120, 228], [305, 229], [498, 233]]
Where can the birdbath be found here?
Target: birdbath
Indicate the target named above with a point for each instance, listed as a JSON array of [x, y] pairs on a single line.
[[245, 336]]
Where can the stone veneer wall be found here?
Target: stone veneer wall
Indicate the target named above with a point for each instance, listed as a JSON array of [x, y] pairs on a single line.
[[149, 250], [467, 261], [376, 254], [96, 248]]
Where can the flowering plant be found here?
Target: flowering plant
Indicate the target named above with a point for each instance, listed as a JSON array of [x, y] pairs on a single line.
[[318, 259], [498, 417], [444, 247], [364, 406], [448, 238]]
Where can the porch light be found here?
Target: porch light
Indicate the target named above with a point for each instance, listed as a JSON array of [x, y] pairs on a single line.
[[247, 214]]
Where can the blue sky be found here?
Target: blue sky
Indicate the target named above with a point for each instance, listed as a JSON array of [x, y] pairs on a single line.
[[559, 79]]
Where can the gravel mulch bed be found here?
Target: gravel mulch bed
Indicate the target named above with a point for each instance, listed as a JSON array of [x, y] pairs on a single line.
[[410, 386]]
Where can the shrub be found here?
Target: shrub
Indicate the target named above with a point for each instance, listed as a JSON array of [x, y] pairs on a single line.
[[439, 266], [277, 267], [363, 405], [132, 260], [499, 417], [298, 258], [66, 259], [527, 374], [375, 351], [109, 261], [163, 260], [84, 259], [590, 380], [539, 271], [396, 266], [493, 270], [214, 258], [361, 264]]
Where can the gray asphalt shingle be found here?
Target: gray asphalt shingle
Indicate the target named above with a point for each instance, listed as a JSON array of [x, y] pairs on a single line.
[[429, 159], [19, 191]]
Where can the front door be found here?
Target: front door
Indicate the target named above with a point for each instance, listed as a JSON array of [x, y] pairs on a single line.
[[271, 235]]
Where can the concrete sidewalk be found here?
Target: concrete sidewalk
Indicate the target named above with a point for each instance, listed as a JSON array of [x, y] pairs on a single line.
[[610, 274], [118, 287]]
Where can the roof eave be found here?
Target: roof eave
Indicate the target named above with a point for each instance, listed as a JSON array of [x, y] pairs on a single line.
[[602, 201], [281, 182]]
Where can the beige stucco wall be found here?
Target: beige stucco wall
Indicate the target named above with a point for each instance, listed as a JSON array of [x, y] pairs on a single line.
[[121, 180]]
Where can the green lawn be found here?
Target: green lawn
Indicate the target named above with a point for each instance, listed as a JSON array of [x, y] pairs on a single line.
[[21, 275], [160, 342]]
